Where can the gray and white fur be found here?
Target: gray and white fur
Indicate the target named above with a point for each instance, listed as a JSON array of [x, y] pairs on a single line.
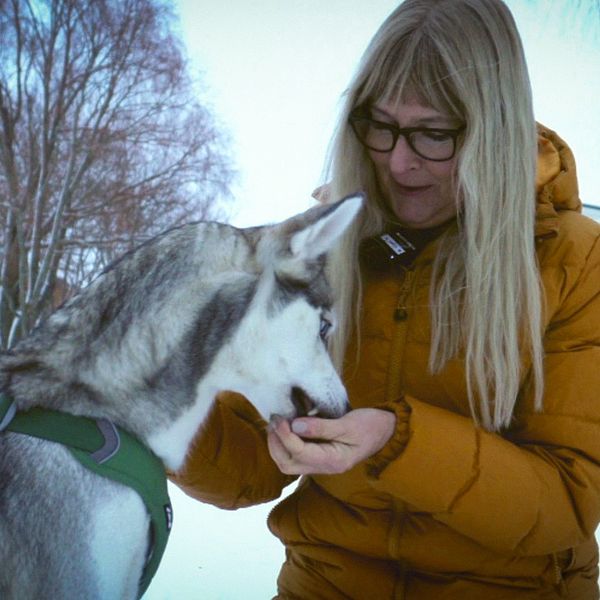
[[199, 309]]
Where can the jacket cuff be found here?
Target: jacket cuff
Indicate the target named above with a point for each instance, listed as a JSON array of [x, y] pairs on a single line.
[[396, 444]]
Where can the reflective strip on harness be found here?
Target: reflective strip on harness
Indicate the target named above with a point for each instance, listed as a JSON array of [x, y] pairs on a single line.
[[110, 452], [112, 441], [8, 410]]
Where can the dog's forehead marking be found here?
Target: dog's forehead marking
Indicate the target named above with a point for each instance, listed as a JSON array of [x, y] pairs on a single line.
[[311, 284], [315, 292]]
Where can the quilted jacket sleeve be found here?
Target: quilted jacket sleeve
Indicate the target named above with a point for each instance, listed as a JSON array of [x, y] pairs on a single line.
[[535, 490], [229, 463]]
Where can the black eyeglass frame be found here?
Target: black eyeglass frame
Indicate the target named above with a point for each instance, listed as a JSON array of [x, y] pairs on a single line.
[[405, 132]]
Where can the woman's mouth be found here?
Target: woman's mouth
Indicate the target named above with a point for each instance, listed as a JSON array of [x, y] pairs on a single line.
[[411, 190]]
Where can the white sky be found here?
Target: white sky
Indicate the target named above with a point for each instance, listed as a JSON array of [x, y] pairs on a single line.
[[274, 71]]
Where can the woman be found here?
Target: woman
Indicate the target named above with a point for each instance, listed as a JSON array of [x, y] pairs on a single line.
[[469, 304]]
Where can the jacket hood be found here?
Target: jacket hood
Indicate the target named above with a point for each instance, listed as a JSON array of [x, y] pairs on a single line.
[[556, 181]]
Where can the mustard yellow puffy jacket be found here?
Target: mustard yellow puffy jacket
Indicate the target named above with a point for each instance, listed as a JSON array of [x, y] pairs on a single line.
[[461, 513]]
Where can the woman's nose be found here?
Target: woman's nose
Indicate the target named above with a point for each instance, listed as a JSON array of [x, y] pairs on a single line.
[[403, 157]]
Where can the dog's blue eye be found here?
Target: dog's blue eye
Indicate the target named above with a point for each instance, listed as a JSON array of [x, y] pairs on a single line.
[[325, 328]]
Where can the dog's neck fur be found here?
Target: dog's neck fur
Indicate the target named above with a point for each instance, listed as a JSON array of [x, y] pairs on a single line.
[[102, 359]]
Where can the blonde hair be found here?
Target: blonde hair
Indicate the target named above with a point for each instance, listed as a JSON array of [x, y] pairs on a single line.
[[465, 59]]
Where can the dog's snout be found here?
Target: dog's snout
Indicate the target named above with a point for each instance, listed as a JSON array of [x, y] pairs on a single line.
[[335, 411]]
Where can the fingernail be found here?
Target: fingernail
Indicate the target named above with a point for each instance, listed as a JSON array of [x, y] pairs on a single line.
[[274, 421], [299, 426]]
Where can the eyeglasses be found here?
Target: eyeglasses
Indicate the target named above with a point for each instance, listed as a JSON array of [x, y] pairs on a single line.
[[429, 143]]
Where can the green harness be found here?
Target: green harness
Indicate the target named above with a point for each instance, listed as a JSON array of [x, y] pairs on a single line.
[[109, 451]]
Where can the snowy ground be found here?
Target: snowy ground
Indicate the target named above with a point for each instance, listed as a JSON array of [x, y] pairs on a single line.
[[217, 555]]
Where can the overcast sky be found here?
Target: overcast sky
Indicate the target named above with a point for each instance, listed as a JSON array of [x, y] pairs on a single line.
[[273, 71]]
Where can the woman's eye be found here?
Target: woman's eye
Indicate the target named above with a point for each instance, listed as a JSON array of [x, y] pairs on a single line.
[[436, 136], [378, 126], [325, 328]]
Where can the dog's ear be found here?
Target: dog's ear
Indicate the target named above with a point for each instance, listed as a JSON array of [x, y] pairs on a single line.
[[322, 227]]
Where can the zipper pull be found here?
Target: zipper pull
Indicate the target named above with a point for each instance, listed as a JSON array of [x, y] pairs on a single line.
[[400, 313]]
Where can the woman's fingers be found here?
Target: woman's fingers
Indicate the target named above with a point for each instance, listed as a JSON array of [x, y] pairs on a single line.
[[310, 445]]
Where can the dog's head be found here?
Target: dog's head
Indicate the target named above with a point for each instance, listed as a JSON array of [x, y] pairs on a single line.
[[202, 308], [277, 355]]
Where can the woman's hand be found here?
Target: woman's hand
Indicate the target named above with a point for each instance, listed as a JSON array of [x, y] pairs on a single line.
[[309, 445]]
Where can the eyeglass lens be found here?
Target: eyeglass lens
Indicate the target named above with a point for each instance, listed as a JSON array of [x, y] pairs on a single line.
[[428, 143]]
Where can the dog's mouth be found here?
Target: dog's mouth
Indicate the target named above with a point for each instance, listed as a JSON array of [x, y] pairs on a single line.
[[303, 403]]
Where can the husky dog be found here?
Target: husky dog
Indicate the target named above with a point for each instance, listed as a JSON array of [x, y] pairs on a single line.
[[146, 347]]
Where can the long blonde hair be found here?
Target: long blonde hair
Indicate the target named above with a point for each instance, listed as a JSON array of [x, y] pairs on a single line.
[[465, 59]]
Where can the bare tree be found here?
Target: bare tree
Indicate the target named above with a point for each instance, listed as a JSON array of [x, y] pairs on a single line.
[[102, 143]]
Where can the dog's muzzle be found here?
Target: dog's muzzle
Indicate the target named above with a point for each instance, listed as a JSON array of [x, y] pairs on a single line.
[[306, 407]]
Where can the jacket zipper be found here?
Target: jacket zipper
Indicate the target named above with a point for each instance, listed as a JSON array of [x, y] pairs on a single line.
[[394, 380]]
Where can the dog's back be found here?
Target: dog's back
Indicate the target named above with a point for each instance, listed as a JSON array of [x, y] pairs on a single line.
[[57, 521]]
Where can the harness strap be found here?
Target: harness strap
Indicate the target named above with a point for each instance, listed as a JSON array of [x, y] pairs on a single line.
[[109, 451]]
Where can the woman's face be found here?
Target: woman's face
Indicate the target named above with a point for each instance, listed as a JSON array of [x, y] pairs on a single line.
[[420, 192]]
